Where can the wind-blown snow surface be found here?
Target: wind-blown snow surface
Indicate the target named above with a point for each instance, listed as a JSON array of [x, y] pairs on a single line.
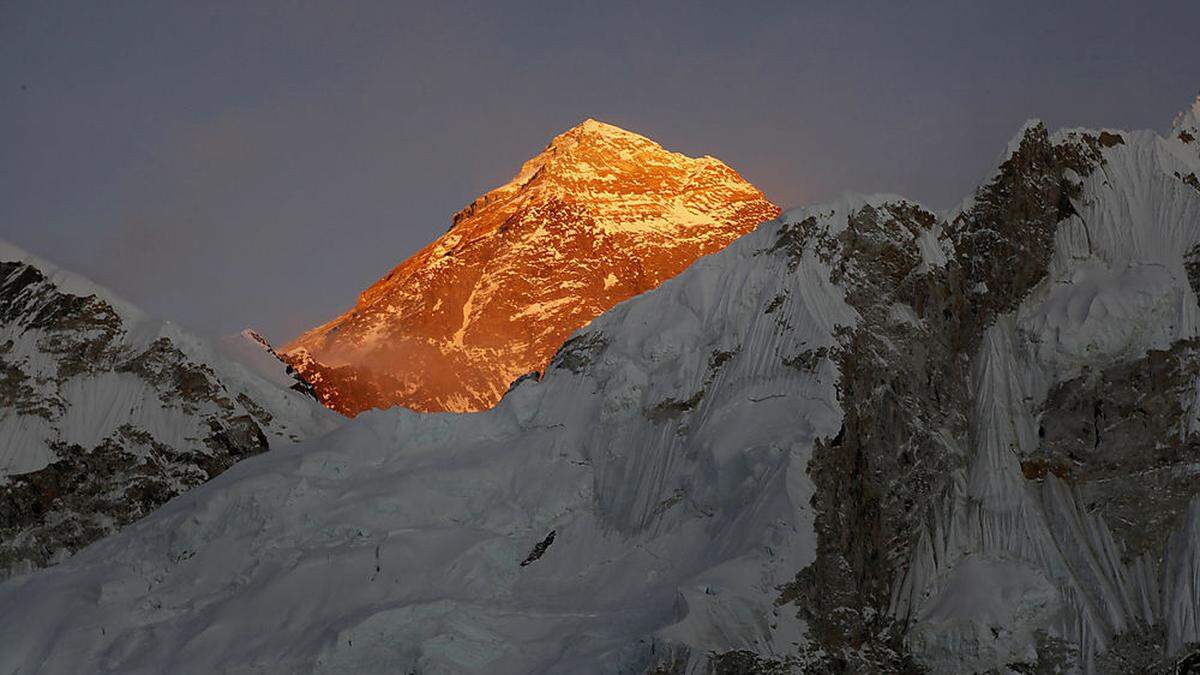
[[670, 449]]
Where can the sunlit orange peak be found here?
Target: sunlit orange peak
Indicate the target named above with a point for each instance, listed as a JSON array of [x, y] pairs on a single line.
[[600, 215]]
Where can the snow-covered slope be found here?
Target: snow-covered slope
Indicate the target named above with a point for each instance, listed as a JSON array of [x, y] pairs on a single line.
[[862, 438], [600, 215], [665, 448], [107, 413]]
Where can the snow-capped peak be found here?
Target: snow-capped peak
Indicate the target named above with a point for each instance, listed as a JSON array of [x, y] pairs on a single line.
[[594, 149], [70, 282], [600, 215], [1187, 123], [595, 129]]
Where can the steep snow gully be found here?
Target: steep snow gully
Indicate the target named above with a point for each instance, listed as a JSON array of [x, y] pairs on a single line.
[[864, 437]]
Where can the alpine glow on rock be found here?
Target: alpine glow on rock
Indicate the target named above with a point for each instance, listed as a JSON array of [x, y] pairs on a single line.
[[597, 217]]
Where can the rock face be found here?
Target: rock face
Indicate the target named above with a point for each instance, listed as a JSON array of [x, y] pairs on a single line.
[[864, 438], [906, 374], [599, 216], [105, 414]]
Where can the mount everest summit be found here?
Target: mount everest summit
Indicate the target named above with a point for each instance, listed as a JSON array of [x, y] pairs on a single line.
[[600, 215]]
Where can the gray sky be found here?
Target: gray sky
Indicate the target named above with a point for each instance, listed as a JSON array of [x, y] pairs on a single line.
[[257, 164]]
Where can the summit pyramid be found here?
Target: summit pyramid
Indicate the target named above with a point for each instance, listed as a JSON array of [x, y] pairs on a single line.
[[599, 216]]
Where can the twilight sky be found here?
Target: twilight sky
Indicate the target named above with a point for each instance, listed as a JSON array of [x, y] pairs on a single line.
[[258, 164]]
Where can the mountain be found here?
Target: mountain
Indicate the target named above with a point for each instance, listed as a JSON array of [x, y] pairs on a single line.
[[599, 216], [865, 437], [105, 413]]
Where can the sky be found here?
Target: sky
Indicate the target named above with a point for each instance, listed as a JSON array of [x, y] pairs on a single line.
[[231, 165]]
